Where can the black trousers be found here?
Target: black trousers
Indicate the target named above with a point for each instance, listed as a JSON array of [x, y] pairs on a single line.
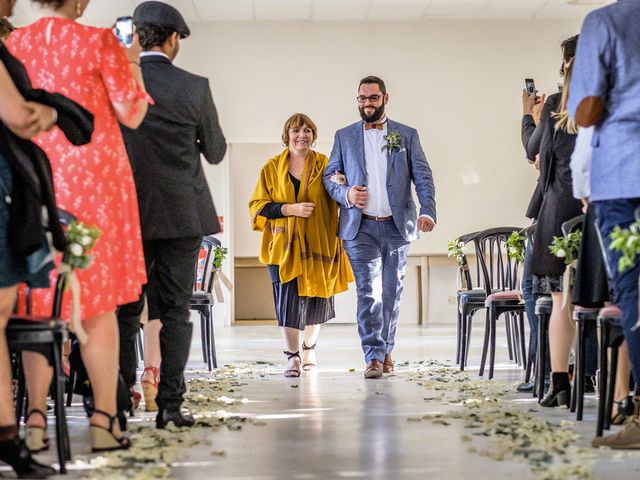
[[170, 271]]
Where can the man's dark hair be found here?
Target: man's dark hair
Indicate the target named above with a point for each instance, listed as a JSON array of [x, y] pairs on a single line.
[[373, 79], [152, 35]]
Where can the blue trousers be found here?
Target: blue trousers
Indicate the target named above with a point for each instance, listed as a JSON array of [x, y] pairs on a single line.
[[378, 256], [624, 285], [530, 300]]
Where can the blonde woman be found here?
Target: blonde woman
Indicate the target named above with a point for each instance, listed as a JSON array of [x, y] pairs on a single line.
[[558, 206], [299, 221]]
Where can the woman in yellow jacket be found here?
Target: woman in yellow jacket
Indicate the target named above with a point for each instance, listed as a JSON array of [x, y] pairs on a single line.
[[300, 243]]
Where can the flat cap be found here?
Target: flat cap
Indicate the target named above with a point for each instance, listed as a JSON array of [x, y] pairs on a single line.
[[161, 15]]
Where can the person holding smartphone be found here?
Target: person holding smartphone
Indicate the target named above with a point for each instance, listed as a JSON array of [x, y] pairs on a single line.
[[176, 208], [95, 184]]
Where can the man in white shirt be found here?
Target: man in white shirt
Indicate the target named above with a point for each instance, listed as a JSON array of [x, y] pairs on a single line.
[[372, 165]]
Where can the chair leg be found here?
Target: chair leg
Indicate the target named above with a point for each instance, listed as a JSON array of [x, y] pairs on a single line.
[[203, 336], [62, 435], [576, 375], [523, 347], [611, 387], [463, 339], [207, 324], [507, 325], [492, 340], [72, 382], [139, 346], [458, 333], [604, 340], [468, 340], [582, 347], [21, 393], [527, 372], [212, 340], [541, 360], [485, 343]]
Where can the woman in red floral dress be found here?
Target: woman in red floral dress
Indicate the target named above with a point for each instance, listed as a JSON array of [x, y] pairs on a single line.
[[94, 183]]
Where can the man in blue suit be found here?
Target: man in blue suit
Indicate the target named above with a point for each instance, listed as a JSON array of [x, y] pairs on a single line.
[[369, 174]]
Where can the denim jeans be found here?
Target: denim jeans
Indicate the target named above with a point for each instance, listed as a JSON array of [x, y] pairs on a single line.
[[378, 256], [611, 213]]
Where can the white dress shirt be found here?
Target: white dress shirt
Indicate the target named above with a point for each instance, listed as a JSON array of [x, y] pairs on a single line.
[[150, 53], [375, 156], [581, 164]]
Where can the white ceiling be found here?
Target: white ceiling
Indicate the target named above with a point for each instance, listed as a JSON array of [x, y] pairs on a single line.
[[103, 12]]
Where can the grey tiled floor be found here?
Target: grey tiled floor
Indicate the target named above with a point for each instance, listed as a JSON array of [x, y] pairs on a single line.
[[337, 425]]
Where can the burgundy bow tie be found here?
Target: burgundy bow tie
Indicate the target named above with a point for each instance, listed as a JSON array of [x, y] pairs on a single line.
[[369, 126]]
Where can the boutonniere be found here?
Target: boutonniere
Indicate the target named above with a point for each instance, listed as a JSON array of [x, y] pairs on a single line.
[[393, 141]]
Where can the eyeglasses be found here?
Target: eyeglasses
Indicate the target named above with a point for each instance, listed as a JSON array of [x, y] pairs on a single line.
[[372, 98]]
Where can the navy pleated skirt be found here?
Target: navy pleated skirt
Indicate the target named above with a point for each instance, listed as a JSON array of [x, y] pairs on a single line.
[[294, 311]]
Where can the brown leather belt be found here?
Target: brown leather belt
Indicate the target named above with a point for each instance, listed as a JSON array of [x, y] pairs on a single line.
[[378, 219]]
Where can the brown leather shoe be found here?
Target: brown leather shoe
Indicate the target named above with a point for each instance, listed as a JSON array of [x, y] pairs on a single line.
[[374, 369], [387, 365]]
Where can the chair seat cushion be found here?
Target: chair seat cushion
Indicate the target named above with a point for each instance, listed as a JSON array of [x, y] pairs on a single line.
[[502, 297], [611, 311], [201, 298], [583, 313]]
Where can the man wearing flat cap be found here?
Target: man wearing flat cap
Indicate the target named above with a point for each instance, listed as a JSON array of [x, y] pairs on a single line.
[[176, 209]]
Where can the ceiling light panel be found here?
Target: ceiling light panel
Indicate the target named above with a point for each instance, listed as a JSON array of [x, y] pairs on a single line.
[[221, 10], [282, 9], [456, 8], [513, 9], [398, 9], [340, 9]]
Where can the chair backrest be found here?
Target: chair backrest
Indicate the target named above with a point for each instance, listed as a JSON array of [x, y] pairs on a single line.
[[65, 219], [203, 281], [466, 281], [498, 271], [572, 224]]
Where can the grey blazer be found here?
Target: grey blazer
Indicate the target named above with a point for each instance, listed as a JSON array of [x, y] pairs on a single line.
[[405, 165], [164, 151]]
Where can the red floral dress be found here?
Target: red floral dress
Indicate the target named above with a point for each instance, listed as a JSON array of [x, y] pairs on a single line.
[[93, 182]]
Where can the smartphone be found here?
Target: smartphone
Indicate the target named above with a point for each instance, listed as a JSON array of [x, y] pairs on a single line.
[[124, 30], [530, 86]]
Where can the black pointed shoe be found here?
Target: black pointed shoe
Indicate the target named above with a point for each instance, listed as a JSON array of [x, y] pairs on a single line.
[[176, 416]]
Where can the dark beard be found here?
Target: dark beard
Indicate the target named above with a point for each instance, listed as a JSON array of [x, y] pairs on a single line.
[[377, 115]]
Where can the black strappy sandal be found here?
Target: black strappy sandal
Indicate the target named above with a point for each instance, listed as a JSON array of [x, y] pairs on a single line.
[[624, 410], [36, 439], [103, 439], [308, 366], [293, 372]]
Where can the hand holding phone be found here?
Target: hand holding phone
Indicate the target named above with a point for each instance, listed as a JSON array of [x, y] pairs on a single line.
[[530, 86], [124, 31]]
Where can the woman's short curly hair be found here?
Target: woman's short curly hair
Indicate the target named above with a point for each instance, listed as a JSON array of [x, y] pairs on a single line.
[[296, 121]]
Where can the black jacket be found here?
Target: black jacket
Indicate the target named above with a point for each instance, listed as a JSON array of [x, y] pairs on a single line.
[[165, 150], [32, 177]]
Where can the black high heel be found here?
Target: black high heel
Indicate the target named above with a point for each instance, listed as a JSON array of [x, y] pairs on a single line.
[[15, 453], [292, 372], [308, 366], [103, 439], [560, 391]]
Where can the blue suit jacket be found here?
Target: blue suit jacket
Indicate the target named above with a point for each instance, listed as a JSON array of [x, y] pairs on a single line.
[[405, 165]]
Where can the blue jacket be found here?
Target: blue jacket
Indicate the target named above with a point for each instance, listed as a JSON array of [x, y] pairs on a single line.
[[405, 165]]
